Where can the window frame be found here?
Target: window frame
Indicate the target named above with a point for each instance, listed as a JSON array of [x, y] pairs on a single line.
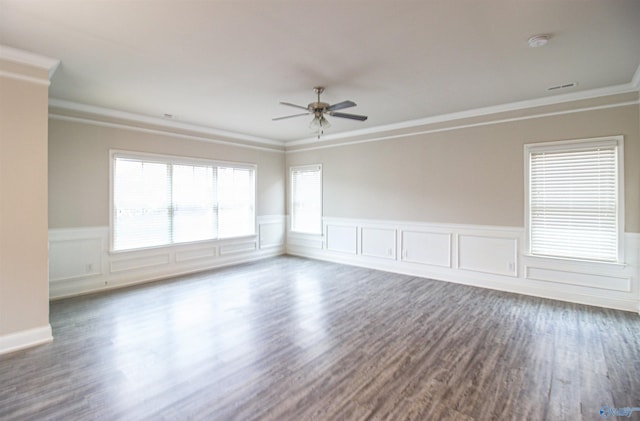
[[292, 169], [173, 160], [575, 145]]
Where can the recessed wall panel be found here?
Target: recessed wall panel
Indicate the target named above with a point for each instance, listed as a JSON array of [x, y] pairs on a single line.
[[377, 242], [271, 234], [496, 255], [75, 258], [342, 238], [427, 248]]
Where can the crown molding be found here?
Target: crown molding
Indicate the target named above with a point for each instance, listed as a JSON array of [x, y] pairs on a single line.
[[460, 126], [479, 112], [25, 57], [30, 79], [96, 111], [635, 81], [159, 131], [90, 112]]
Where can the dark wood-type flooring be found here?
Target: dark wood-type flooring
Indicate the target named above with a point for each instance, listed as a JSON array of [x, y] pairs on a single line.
[[294, 339]]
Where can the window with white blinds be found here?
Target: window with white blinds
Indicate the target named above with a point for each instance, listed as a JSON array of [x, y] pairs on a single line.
[[306, 199], [159, 200], [574, 199]]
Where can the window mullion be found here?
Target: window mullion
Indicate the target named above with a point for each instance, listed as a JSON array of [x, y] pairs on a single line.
[[216, 202], [171, 205]]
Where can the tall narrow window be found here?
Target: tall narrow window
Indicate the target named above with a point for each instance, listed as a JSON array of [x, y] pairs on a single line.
[[161, 200], [574, 196], [306, 199]]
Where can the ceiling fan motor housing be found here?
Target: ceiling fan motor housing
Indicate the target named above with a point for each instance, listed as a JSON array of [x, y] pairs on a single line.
[[318, 107]]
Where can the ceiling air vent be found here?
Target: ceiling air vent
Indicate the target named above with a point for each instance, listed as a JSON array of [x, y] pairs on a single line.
[[563, 86]]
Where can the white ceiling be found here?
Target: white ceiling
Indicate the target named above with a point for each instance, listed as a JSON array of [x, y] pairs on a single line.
[[227, 64]]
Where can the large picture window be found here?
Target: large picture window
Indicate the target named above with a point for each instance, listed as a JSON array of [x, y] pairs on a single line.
[[306, 199], [161, 200], [575, 199]]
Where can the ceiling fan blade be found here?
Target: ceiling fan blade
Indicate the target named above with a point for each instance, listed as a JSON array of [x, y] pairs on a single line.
[[293, 105], [349, 116], [341, 105], [290, 116]]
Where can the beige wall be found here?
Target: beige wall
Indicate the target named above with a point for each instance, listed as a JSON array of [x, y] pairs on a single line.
[[24, 284], [465, 176], [79, 168]]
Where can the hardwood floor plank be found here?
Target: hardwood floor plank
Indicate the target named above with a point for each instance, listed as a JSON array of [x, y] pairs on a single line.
[[294, 339]]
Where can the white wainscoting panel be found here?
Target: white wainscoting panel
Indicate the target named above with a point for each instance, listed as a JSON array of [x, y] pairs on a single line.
[[576, 278], [342, 238], [493, 255], [427, 248], [238, 247], [80, 261], [305, 241], [271, 234], [87, 258], [196, 254], [121, 264], [76, 253], [378, 242], [483, 256]]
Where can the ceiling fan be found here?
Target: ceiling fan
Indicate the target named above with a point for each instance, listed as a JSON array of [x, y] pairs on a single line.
[[319, 109]]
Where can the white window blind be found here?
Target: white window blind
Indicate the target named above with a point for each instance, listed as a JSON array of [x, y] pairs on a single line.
[[195, 210], [235, 199], [574, 203], [142, 204], [306, 199], [165, 200]]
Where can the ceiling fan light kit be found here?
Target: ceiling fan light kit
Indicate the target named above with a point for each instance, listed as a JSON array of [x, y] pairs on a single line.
[[319, 109]]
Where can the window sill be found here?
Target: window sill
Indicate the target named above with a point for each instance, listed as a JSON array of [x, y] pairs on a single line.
[[307, 234], [184, 244], [577, 262]]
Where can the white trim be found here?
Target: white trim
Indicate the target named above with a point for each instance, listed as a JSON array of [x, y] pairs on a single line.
[[577, 144], [23, 78], [25, 339], [92, 122], [435, 227], [635, 81], [479, 112], [172, 160], [178, 159], [455, 127], [31, 59], [61, 234], [593, 280], [481, 264], [96, 111], [132, 267], [155, 121]]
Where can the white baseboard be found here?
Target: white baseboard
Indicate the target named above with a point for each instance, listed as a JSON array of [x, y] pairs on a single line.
[[25, 339], [481, 256]]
